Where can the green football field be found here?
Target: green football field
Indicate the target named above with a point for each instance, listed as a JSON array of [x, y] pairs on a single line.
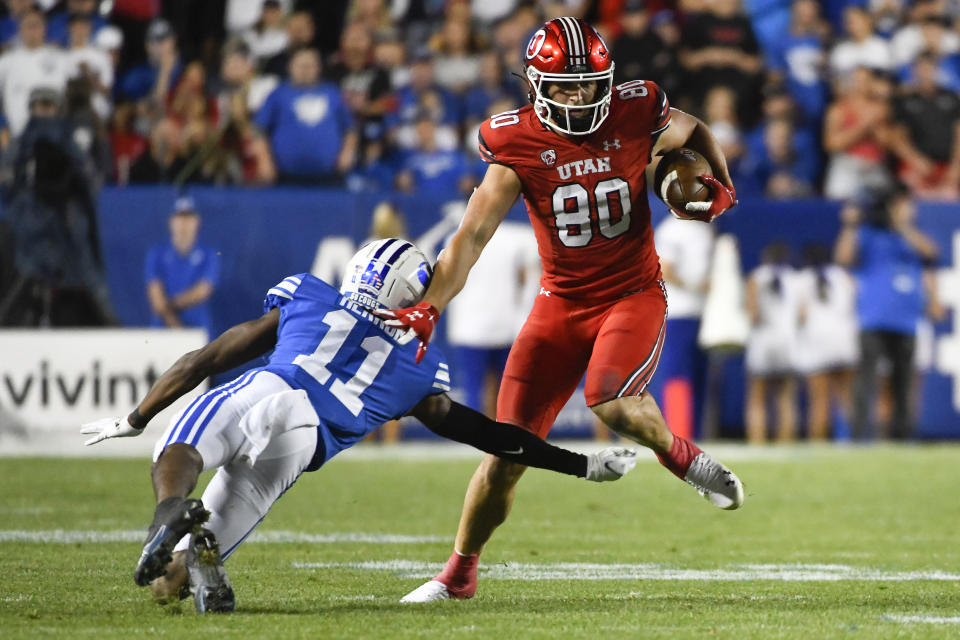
[[831, 543]]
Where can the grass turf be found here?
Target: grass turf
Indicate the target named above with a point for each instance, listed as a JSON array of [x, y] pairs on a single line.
[[887, 509]]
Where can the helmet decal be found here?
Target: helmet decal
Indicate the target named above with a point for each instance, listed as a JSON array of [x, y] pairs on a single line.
[[387, 273], [536, 43], [371, 278]]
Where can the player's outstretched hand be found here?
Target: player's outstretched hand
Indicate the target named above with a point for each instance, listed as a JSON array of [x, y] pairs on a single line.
[[611, 463], [723, 197], [420, 319], [109, 428]]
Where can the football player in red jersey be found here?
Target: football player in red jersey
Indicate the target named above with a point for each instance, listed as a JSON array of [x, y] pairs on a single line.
[[577, 155]]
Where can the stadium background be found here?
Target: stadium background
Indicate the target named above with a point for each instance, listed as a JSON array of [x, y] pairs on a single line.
[[266, 229]]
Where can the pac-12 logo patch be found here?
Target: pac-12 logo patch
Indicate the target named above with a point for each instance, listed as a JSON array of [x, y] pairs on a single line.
[[549, 157], [536, 43]]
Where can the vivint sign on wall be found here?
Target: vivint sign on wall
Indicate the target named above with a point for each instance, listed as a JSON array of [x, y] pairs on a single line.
[[51, 381]]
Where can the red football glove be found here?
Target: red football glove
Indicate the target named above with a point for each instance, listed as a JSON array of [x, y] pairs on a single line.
[[723, 198], [420, 319]]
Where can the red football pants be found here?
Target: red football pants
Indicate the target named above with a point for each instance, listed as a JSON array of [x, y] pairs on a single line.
[[618, 343]]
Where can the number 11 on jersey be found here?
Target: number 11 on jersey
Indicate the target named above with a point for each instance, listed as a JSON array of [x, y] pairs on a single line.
[[341, 323]]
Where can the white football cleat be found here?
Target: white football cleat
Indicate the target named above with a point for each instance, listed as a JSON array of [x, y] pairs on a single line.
[[428, 592], [715, 482]]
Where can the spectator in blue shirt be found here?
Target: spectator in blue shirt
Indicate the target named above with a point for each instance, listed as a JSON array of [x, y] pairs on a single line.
[[424, 94], [494, 85], [432, 169], [887, 253], [10, 24], [799, 58], [156, 77], [780, 161], [309, 125], [182, 274], [57, 25]]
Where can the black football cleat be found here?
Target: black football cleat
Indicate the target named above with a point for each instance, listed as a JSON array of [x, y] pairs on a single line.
[[208, 579], [174, 518]]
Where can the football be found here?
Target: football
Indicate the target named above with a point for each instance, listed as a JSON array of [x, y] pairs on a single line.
[[677, 181]]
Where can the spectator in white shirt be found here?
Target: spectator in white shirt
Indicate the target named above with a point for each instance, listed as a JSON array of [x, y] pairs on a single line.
[[22, 69], [241, 15], [827, 340], [268, 37], [932, 33], [773, 304], [862, 47]]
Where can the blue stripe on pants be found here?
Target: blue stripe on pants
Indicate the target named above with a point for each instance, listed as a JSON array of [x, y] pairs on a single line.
[[216, 407], [185, 424]]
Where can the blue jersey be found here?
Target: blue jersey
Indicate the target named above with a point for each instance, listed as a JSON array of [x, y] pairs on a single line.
[[178, 273], [889, 282], [306, 127], [354, 371]]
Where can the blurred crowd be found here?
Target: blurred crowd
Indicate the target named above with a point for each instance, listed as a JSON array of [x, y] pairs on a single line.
[[807, 97]]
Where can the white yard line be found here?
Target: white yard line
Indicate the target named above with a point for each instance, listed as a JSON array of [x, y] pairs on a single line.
[[921, 619], [68, 536], [592, 571]]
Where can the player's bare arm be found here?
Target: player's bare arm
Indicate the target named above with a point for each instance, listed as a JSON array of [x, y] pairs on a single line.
[[486, 209], [688, 131], [234, 347], [454, 421]]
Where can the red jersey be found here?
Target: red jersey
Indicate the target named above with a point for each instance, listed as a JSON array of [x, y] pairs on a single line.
[[586, 195]]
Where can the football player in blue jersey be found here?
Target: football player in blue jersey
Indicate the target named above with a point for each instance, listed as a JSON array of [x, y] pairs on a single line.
[[335, 373]]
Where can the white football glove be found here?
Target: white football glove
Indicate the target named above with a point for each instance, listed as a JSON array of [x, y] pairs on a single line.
[[611, 463], [109, 428]]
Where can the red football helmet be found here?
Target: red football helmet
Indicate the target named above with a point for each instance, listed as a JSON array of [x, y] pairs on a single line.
[[568, 50]]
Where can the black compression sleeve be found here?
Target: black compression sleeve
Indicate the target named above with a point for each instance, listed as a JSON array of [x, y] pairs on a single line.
[[508, 442]]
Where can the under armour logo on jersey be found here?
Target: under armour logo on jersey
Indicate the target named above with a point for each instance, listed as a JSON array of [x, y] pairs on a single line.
[[607, 145], [549, 157], [544, 292]]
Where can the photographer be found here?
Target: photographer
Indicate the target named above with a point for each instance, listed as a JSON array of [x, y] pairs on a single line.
[[887, 255], [49, 200]]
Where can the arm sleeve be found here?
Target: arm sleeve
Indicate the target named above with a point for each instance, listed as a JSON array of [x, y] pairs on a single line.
[[508, 442]]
